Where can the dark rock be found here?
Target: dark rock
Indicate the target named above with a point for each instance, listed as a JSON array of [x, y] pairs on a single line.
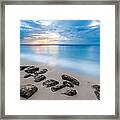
[[70, 79], [68, 84], [50, 83], [22, 67], [32, 66], [39, 78], [34, 75], [70, 92], [96, 87], [41, 72], [27, 75], [56, 88], [28, 90], [97, 93], [32, 69]]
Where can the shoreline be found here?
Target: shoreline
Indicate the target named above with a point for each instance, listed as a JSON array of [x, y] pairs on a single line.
[[84, 90]]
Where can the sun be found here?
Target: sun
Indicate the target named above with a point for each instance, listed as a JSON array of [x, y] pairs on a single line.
[[46, 38]]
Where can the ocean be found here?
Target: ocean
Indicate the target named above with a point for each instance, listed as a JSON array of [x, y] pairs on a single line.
[[79, 59]]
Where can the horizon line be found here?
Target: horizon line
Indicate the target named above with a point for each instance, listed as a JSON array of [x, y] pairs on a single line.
[[59, 44]]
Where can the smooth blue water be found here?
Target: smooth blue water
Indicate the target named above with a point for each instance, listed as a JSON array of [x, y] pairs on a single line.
[[72, 45], [83, 59]]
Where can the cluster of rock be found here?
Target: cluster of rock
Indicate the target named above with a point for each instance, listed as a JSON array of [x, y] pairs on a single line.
[[31, 71], [34, 72], [97, 90], [28, 90]]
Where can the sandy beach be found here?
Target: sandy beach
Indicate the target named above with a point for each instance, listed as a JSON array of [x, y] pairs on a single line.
[[84, 90]]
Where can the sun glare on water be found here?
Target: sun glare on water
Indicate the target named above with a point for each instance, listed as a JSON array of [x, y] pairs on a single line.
[[44, 39], [52, 50]]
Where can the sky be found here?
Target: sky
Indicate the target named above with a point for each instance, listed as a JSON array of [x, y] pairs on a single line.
[[60, 32]]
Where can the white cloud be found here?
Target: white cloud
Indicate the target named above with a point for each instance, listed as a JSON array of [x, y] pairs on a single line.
[[25, 25], [94, 23], [46, 23], [36, 21]]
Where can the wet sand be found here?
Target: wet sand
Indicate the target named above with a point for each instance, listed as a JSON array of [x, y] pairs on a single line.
[[84, 90]]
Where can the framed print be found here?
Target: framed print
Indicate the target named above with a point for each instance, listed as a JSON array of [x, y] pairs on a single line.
[[59, 59]]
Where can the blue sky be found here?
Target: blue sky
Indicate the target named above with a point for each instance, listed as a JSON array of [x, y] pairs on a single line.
[[60, 31]]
